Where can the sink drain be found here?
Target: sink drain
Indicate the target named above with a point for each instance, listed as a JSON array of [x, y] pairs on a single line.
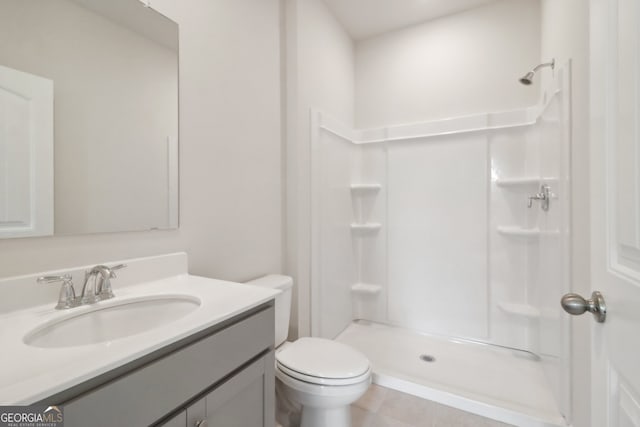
[[427, 358]]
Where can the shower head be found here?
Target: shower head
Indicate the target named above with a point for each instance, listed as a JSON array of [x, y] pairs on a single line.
[[527, 79]]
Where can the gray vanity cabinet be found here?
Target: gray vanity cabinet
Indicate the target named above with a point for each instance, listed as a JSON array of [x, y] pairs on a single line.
[[224, 376]]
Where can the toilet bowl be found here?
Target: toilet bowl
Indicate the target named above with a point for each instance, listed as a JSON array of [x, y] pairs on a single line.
[[321, 376]]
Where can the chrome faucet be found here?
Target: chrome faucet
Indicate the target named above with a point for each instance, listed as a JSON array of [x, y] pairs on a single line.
[[92, 290], [100, 287]]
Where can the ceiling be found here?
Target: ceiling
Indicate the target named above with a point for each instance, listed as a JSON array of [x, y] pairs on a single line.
[[367, 18]]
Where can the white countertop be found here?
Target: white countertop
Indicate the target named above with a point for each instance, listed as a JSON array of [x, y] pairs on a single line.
[[29, 374]]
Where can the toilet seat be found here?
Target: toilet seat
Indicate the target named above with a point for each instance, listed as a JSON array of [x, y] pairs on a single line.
[[320, 380], [323, 362]]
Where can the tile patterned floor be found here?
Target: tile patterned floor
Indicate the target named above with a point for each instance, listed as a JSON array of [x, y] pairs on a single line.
[[383, 407]]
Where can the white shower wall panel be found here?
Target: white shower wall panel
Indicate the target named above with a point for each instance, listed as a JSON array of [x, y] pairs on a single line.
[[553, 262], [338, 257], [437, 226], [437, 235], [514, 155], [373, 249]]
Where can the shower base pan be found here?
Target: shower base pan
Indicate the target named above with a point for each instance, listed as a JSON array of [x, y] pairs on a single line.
[[494, 382]]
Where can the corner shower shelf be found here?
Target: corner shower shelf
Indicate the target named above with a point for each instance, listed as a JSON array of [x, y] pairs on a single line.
[[517, 231], [365, 188], [514, 230], [523, 181], [524, 310], [516, 182], [366, 289], [369, 227]]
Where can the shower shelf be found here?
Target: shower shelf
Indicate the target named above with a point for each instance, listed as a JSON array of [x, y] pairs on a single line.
[[366, 289], [524, 310], [369, 227], [516, 182], [515, 230], [523, 181], [365, 188]]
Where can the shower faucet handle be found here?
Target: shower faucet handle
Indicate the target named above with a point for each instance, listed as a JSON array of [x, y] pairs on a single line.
[[544, 195], [537, 196]]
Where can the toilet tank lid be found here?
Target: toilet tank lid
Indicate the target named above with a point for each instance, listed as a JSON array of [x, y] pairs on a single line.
[[273, 281]]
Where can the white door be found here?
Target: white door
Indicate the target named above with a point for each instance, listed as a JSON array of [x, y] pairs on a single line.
[[26, 154], [615, 210]]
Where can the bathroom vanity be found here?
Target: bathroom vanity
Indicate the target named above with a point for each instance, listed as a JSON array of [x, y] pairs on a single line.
[[225, 377], [179, 350]]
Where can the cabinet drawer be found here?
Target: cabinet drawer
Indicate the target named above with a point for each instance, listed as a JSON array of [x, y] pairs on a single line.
[[149, 393]]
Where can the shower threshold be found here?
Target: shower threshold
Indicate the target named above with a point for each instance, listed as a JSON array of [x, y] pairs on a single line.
[[494, 382]]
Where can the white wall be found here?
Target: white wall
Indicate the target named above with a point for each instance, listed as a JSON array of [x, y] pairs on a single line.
[[565, 35], [457, 65], [230, 153], [320, 74]]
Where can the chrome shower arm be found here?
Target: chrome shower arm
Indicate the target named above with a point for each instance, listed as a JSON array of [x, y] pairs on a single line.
[[527, 79], [551, 64]]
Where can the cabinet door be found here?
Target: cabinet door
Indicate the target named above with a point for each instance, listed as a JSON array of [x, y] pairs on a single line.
[[246, 399], [196, 413], [179, 420]]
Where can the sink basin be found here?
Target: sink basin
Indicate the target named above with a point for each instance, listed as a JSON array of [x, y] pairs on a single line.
[[111, 322]]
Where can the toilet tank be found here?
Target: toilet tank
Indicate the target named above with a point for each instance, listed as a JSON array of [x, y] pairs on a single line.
[[282, 302]]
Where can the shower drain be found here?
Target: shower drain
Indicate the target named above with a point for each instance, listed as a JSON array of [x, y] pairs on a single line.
[[427, 358]]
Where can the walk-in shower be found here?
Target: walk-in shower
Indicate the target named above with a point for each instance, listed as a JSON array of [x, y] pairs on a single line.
[[426, 257]]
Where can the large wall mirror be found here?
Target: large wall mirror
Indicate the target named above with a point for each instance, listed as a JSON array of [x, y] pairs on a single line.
[[88, 117]]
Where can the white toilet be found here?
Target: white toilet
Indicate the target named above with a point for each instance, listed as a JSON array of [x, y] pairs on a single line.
[[321, 375]]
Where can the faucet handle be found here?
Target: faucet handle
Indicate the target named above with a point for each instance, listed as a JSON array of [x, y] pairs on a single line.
[[103, 289], [67, 298], [116, 267], [54, 279]]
